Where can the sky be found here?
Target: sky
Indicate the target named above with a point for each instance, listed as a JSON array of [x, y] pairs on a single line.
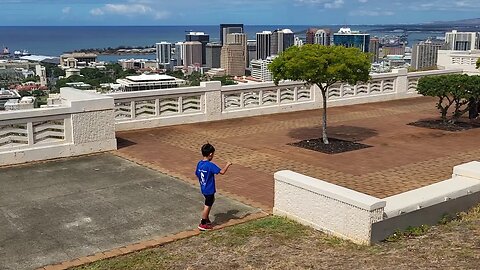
[[250, 12]]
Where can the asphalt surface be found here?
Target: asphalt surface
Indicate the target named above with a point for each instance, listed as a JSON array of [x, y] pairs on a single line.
[[61, 210]]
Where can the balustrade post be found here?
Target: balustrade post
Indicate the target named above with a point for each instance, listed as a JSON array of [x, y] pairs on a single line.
[[213, 100], [30, 135], [401, 81]]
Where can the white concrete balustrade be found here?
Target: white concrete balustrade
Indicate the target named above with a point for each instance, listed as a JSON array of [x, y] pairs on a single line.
[[83, 124], [210, 101], [86, 122]]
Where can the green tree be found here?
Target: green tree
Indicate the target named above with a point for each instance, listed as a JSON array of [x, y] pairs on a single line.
[[478, 63], [451, 90], [322, 66]]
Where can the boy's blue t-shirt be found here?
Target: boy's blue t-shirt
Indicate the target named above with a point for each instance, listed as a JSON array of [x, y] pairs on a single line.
[[205, 173]]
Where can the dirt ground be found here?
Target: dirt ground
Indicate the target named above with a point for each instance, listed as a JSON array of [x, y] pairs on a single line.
[[277, 243]]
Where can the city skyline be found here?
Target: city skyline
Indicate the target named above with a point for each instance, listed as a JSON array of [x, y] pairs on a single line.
[[209, 12]]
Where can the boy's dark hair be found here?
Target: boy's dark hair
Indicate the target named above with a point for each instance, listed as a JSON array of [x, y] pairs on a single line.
[[207, 149]]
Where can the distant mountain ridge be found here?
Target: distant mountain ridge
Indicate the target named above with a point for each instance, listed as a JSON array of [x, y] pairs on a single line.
[[465, 22]]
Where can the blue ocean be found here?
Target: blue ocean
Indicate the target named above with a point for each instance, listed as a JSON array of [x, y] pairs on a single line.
[[55, 40]]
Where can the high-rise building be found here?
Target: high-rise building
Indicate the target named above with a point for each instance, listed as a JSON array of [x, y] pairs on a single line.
[[179, 53], [41, 72], [213, 54], [323, 37], [310, 35], [462, 41], [164, 53], [193, 53], [226, 29], [263, 44], [202, 38], [238, 38], [233, 59], [260, 69], [374, 49], [281, 40], [251, 51], [298, 42], [425, 54], [348, 38]]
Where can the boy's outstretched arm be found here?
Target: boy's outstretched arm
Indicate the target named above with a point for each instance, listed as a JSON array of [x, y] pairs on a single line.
[[225, 169]]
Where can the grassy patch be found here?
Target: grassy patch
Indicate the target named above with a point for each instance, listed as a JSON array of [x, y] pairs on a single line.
[[278, 228], [408, 233], [154, 258]]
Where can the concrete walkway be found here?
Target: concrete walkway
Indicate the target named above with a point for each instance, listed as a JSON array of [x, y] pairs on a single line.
[[403, 157], [60, 210]]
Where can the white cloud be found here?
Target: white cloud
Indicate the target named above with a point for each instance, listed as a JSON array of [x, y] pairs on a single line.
[[334, 4], [97, 12], [133, 8], [371, 13], [363, 1], [324, 3], [66, 10]]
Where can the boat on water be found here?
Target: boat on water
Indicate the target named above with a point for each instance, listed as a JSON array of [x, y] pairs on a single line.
[[22, 53]]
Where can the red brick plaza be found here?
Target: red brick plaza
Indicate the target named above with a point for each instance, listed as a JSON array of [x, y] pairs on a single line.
[[402, 158]]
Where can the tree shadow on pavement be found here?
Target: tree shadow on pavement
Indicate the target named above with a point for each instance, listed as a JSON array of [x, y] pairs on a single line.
[[347, 133]]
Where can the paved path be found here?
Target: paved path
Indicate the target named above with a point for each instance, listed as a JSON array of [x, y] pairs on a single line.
[[402, 158], [57, 211]]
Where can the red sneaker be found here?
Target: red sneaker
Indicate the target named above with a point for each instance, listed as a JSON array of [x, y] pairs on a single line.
[[205, 227]]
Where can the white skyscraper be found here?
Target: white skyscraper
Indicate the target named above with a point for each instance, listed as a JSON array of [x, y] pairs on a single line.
[[164, 53], [462, 41], [260, 69]]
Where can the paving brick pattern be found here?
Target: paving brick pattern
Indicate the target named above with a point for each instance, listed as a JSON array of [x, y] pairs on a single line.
[[402, 158]]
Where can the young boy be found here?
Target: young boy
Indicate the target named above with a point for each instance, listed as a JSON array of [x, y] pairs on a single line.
[[205, 173]]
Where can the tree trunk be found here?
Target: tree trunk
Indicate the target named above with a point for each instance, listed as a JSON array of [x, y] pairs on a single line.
[[324, 120]]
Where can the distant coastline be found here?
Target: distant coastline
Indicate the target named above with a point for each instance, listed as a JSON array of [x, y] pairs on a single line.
[[121, 50]]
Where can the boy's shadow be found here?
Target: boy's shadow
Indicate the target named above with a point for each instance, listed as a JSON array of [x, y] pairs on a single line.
[[221, 218]]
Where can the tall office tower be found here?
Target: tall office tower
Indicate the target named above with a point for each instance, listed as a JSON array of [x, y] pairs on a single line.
[[238, 38], [164, 54], [193, 53], [213, 54], [281, 40], [374, 49], [348, 38], [179, 53], [263, 44], [323, 37], [251, 51], [425, 54], [202, 38], [310, 35], [226, 29], [233, 59], [462, 41]]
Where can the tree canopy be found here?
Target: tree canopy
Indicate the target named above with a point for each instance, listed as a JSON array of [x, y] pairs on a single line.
[[451, 90], [322, 66]]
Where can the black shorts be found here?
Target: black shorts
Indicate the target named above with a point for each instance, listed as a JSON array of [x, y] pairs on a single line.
[[209, 199]]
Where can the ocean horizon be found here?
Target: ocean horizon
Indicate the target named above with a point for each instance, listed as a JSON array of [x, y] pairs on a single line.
[[55, 40]]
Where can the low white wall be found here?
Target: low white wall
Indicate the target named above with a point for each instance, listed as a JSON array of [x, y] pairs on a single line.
[[365, 219], [327, 207], [84, 124]]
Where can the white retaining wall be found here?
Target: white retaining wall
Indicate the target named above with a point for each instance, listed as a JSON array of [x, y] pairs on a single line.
[[327, 207], [365, 219], [84, 124]]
